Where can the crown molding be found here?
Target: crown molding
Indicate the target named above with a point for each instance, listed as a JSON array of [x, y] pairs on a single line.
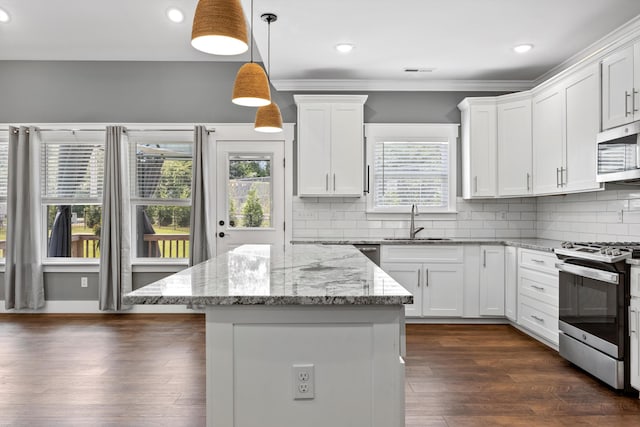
[[401, 85]]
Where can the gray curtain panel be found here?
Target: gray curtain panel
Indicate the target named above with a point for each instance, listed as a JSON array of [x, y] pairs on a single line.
[[115, 240], [24, 283], [201, 226]]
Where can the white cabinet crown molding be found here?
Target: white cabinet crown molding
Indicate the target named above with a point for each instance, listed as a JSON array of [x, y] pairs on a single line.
[[343, 99]]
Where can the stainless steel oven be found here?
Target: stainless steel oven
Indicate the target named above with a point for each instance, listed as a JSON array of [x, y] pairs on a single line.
[[593, 304]]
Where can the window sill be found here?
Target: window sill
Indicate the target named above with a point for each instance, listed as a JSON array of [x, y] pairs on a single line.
[[70, 267]]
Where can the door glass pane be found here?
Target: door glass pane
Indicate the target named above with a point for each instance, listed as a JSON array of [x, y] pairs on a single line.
[[250, 191]]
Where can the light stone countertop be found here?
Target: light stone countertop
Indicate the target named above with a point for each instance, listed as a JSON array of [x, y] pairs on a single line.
[[261, 274], [544, 245]]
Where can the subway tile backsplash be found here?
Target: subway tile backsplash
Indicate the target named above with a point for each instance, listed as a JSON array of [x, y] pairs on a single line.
[[337, 218]]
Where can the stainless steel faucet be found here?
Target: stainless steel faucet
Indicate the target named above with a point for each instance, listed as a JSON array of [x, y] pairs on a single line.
[[412, 227]]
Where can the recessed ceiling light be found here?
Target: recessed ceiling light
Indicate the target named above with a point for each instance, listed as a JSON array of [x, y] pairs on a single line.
[[522, 48], [175, 15], [4, 16], [344, 47]]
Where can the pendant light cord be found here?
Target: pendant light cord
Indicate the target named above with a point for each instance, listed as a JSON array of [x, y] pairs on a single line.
[[269, 49], [251, 31]]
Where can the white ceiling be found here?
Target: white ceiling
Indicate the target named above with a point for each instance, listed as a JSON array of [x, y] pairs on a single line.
[[464, 40]]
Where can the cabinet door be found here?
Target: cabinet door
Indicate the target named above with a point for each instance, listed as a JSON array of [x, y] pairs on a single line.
[[634, 330], [492, 281], [314, 149], [511, 283], [442, 291], [617, 88], [514, 148], [409, 275], [347, 150], [582, 100], [548, 141], [483, 140]]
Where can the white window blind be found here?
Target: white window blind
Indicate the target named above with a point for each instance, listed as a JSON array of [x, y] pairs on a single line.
[[162, 171], [407, 173], [72, 170]]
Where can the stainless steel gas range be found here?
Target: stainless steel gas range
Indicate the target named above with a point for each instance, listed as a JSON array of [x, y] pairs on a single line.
[[594, 296]]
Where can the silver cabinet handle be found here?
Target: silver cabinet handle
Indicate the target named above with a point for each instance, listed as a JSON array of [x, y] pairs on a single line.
[[539, 319], [475, 184], [633, 101], [632, 321], [418, 277], [539, 261], [368, 249], [484, 258], [327, 182], [563, 176], [557, 177], [426, 277], [540, 288], [528, 177], [626, 103], [334, 182]]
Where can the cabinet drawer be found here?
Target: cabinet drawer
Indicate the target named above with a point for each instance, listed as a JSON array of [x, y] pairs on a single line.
[[539, 318], [539, 286], [540, 261], [423, 253], [635, 281]]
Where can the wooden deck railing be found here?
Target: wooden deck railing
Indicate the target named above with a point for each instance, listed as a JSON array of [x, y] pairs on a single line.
[[168, 245]]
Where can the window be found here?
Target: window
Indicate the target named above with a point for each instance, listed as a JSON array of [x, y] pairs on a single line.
[[161, 168], [4, 175], [72, 170], [411, 164]]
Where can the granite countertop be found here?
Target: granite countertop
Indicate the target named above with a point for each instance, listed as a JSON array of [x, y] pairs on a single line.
[[545, 245], [261, 274]]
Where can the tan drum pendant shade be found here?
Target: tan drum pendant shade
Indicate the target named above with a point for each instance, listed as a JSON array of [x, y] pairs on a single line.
[[219, 27], [269, 119], [251, 87]]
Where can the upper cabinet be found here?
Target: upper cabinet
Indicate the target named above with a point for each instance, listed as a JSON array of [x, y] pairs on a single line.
[[620, 86], [514, 146], [330, 145], [565, 127], [479, 145]]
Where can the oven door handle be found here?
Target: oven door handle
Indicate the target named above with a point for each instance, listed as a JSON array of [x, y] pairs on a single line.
[[592, 273]]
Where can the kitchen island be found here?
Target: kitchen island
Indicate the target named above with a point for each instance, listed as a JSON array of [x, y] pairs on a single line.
[[312, 335]]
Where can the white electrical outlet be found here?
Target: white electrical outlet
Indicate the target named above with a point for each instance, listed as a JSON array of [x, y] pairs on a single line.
[[303, 381], [84, 282], [619, 216]]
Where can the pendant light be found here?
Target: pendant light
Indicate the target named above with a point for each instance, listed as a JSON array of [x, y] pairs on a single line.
[[268, 118], [251, 87], [219, 27]]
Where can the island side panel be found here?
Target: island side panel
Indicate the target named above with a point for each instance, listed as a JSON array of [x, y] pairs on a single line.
[[355, 350]]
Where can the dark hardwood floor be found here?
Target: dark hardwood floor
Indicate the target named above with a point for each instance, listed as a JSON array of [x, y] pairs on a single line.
[[148, 370]]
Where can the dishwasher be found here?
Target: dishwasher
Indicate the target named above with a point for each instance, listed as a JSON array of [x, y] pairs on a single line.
[[371, 251]]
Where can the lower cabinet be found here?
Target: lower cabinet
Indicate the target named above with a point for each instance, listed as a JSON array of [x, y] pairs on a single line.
[[538, 294], [492, 280], [434, 276], [634, 330], [511, 283]]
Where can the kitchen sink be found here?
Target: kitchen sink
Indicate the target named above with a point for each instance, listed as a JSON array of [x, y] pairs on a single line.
[[432, 239]]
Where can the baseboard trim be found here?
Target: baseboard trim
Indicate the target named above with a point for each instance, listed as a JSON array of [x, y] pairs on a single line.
[[456, 321], [91, 307]]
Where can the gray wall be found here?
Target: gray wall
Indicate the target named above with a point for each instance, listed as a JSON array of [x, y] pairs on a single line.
[[167, 92]]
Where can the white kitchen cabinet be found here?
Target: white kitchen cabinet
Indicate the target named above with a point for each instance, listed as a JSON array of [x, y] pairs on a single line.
[[548, 140], [511, 283], [582, 111], [492, 280], [514, 146], [538, 294], [620, 85], [634, 331], [479, 145], [433, 274], [410, 276], [330, 145]]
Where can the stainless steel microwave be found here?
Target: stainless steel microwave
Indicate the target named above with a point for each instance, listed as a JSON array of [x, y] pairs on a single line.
[[619, 154]]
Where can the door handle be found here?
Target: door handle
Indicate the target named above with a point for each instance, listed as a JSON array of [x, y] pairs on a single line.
[[626, 103], [557, 177], [484, 258], [528, 178], [326, 183], [368, 175], [633, 101], [475, 184], [334, 182], [632, 321], [426, 277], [418, 277]]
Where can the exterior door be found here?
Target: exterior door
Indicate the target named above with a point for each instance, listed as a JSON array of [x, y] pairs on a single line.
[[250, 193]]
